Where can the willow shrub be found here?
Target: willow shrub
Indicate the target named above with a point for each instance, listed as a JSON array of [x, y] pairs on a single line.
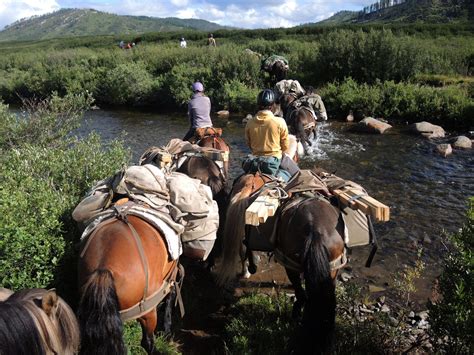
[[452, 317], [381, 55], [400, 101], [44, 172]]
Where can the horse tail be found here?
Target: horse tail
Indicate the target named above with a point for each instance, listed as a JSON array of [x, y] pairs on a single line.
[[320, 308], [216, 184], [234, 233], [99, 317]]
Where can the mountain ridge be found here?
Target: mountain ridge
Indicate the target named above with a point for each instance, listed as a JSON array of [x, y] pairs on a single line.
[[89, 22]]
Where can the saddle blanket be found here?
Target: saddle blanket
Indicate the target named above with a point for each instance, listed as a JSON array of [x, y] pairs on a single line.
[[163, 223]]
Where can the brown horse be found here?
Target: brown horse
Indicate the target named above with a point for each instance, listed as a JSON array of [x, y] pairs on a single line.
[[124, 273], [37, 321], [217, 142], [300, 120], [309, 242]]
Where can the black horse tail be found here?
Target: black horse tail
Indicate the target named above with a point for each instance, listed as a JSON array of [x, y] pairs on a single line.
[[99, 318], [320, 309]]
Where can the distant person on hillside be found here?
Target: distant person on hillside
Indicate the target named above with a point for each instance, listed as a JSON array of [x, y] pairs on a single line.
[[199, 110], [182, 43], [211, 42], [122, 44]]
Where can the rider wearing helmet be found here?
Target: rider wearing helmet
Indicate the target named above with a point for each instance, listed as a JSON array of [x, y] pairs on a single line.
[[267, 135], [199, 110]]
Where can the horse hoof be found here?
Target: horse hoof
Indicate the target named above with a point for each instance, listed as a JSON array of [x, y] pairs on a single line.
[[246, 275], [252, 269]]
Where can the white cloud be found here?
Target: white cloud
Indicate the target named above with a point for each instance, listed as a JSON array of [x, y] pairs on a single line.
[[243, 13], [179, 3], [13, 10]]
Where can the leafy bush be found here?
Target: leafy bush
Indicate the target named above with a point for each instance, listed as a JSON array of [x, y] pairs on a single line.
[[452, 317], [400, 101], [44, 172], [127, 84]]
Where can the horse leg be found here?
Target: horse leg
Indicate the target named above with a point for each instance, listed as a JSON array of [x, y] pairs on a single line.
[[148, 323], [169, 311], [253, 259], [300, 295], [243, 258]]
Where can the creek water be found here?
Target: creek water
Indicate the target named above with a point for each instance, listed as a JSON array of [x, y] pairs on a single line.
[[427, 193]]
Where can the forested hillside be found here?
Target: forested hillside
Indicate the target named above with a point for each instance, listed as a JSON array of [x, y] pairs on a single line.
[[408, 11], [88, 22]]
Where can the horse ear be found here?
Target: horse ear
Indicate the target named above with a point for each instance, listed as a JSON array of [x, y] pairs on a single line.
[[49, 301]]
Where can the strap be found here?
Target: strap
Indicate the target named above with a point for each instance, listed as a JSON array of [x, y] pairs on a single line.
[[289, 263], [139, 244]]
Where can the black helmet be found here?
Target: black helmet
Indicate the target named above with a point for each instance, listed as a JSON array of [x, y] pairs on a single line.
[[266, 98]]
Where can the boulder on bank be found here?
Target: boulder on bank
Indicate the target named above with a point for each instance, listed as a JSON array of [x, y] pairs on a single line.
[[427, 130], [350, 117], [444, 149], [370, 125], [223, 113], [462, 142]]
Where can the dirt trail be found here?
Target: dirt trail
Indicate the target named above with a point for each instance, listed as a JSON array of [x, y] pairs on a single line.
[[201, 331]]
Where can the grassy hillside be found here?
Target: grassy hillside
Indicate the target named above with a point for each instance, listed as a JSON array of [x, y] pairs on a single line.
[[88, 22]]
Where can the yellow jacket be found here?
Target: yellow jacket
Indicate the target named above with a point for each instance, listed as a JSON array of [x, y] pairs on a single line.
[[267, 135]]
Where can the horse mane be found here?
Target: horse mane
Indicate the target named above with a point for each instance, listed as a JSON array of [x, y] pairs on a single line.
[[18, 331], [58, 330]]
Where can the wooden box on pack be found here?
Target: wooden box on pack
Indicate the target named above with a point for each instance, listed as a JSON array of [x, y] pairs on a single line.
[[216, 155], [358, 200], [263, 207]]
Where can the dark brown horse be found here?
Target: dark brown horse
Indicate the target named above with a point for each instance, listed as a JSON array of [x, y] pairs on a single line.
[[279, 71], [217, 142], [300, 120], [124, 273], [309, 242]]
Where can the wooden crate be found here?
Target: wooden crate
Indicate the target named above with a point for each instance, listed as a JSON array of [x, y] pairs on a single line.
[[358, 200], [216, 154], [262, 208]]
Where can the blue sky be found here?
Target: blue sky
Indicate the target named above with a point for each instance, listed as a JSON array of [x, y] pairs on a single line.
[[243, 14]]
